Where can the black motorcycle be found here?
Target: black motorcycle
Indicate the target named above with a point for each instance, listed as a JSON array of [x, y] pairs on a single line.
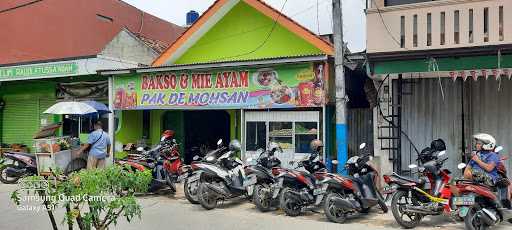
[[225, 179], [303, 190], [23, 164], [192, 174], [267, 188], [356, 193]]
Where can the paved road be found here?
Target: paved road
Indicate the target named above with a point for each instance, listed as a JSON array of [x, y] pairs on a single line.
[[174, 212]]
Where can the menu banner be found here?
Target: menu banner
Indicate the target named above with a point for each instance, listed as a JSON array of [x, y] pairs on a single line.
[[288, 86]]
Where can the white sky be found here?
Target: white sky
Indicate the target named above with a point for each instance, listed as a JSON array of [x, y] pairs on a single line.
[[302, 11]]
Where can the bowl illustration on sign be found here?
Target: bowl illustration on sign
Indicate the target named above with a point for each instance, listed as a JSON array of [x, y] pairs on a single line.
[[265, 77]]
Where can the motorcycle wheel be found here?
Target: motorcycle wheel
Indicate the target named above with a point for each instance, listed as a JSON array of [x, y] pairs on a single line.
[[400, 199], [472, 222], [191, 193], [206, 198], [289, 204], [262, 202], [3, 174], [333, 213]]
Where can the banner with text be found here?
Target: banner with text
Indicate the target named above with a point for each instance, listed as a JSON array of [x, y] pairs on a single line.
[[300, 85]]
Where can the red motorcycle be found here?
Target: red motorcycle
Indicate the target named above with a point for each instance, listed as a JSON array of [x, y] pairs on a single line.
[[166, 168], [481, 202], [415, 198]]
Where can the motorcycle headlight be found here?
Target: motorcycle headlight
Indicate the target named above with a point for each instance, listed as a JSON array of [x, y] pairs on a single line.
[[210, 158]]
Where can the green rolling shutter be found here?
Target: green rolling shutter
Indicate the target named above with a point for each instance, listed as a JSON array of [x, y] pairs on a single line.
[[20, 121]]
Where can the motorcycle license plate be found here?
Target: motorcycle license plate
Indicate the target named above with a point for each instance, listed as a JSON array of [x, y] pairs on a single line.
[[194, 178], [389, 189], [251, 180], [464, 200], [321, 190]]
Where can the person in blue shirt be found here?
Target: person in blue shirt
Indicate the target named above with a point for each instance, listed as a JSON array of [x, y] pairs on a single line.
[[485, 159], [98, 144]]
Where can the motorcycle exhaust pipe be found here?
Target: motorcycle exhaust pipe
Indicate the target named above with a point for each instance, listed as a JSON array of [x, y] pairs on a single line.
[[12, 172], [344, 204], [488, 217], [217, 190]]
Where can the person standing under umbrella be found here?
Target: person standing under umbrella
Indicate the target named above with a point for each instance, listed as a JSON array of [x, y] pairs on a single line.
[[98, 144]]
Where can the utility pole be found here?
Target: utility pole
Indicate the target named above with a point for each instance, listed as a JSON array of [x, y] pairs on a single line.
[[341, 97]]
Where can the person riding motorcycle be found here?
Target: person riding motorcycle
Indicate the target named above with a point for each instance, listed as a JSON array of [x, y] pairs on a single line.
[[485, 161]]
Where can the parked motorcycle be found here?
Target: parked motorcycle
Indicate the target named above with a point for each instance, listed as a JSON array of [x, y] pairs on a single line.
[[303, 190], [224, 180], [23, 164], [267, 188], [356, 193], [481, 202], [192, 173], [165, 168], [429, 195]]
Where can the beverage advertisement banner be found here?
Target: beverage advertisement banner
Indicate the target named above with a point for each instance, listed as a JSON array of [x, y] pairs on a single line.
[[289, 86]]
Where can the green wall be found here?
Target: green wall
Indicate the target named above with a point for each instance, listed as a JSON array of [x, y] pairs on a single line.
[[131, 127], [25, 104], [242, 31]]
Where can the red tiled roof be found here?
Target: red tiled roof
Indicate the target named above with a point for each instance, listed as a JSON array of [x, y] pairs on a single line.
[[58, 29]]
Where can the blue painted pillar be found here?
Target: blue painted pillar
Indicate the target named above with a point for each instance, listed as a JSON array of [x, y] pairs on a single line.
[[341, 146]]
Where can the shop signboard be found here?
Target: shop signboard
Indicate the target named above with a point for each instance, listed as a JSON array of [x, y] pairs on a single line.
[[287, 86], [35, 71]]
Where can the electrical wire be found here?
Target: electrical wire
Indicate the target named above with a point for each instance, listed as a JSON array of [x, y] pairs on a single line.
[[20, 6], [388, 30], [264, 41]]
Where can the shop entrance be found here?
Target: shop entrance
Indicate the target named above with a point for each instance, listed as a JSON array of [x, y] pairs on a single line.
[[203, 129]]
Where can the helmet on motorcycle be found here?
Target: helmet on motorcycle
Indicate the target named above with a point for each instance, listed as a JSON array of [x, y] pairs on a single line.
[[273, 146], [316, 145], [235, 145], [488, 142], [438, 145], [168, 134]]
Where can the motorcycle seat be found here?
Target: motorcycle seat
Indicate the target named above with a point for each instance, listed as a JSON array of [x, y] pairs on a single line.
[[33, 156], [408, 179]]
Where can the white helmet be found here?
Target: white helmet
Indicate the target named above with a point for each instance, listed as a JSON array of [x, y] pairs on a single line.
[[273, 146], [488, 142]]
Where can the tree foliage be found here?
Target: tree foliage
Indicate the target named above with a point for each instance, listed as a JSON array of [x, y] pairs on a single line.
[[92, 198]]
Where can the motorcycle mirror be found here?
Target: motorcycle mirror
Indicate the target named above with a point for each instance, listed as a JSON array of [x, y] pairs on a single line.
[[361, 146], [498, 149], [195, 157], [461, 166], [412, 166], [442, 153], [219, 142], [140, 149]]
